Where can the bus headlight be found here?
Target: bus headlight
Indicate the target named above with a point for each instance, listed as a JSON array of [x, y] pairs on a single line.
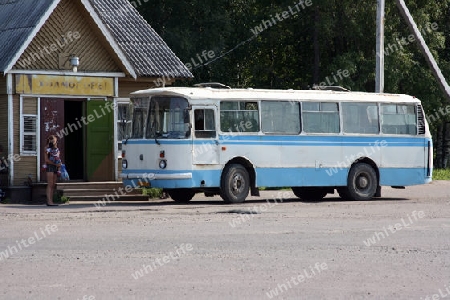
[[162, 164], [124, 164]]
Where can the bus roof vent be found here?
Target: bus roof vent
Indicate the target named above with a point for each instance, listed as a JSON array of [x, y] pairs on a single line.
[[330, 88], [214, 85]]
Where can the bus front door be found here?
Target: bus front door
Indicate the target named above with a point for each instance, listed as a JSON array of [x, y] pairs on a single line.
[[205, 140]]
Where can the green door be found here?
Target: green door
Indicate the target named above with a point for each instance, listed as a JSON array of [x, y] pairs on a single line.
[[100, 141]]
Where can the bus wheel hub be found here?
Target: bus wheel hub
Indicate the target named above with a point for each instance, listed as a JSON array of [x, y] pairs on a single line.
[[363, 182], [237, 183]]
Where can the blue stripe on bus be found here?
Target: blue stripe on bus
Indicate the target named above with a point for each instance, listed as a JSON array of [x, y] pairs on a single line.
[[296, 141], [287, 177]]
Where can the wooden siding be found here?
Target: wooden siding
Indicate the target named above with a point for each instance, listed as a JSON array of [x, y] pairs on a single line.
[[69, 30], [3, 89], [26, 164], [126, 87], [3, 135], [23, 168], [4, 125], [30, 106]]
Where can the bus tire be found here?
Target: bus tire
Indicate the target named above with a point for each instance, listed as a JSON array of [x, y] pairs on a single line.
[[181, 195], [362, 182], [309, 193], [235, 184]]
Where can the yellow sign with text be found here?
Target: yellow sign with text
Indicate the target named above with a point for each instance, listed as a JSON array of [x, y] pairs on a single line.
[[64, 85]]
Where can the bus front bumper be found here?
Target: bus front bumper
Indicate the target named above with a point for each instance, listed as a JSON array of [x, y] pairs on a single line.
[[155, 176]]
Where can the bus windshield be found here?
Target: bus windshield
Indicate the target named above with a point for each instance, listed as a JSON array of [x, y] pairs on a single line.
[[168, 118], [138, 116]]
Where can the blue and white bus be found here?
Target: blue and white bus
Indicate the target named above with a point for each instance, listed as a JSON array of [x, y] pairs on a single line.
[[231, 142]]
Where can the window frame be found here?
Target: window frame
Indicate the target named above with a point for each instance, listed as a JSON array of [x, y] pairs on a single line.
[[292, 103], [243, 123], [207, 133], [320, 111], [397, 105], [374, 104], [23, 133], [120, 102]]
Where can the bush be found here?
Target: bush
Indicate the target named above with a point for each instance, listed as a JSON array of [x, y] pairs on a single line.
[[152, 192], [441, 174]]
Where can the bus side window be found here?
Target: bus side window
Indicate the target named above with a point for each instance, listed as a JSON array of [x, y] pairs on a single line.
[[320, 117], [398, 119], [204, 123], [239, 116], [280, 117], [360, 118]]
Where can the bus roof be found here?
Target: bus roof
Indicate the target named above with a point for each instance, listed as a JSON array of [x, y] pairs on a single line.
[[201, 93]]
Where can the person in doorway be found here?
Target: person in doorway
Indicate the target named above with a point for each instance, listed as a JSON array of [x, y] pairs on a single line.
[[53, 154], [53, 165]]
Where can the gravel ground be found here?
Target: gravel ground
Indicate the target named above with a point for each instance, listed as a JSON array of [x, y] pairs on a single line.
[[271, 247]]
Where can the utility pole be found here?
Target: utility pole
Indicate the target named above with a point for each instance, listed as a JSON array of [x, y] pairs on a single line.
[[379, 76], [424, 48]]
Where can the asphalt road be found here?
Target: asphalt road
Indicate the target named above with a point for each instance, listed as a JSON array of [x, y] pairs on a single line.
[[272, 247]]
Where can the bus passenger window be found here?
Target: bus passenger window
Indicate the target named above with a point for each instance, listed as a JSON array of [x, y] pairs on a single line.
[[360, 118], [320, 117], [280, 117], [240, 116], [398, 119], [204, 123]]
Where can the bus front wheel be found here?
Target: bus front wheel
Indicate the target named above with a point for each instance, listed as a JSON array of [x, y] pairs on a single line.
[[181, 195], [235, 184], [362, 183]]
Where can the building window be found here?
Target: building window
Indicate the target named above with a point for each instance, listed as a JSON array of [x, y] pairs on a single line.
[[123, 123], [28, 126]]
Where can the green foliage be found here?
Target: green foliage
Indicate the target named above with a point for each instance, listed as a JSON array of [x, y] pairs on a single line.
[[441, 174], [5, 201], [305, 48], [152, 192], [58, 197]]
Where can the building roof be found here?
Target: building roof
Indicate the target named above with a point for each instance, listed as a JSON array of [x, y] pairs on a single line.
[[18, 19], [141, 50]]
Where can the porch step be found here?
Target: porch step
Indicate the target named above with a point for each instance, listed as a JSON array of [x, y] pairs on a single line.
[[95, 191], [112, 199], [89, 185]]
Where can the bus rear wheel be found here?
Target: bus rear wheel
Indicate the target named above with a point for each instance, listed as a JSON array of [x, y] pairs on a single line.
[[181, 195], [309, 193], [235, 184], [362, 183]]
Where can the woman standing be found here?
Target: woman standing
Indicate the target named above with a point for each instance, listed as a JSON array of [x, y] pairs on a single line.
[[51, 168]]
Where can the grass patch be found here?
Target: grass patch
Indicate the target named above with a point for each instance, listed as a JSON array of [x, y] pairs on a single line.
[[273, 188], [441, 174], [152, 192], [59, 198]]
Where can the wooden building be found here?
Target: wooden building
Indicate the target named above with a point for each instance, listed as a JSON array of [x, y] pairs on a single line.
[[67, 68]]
